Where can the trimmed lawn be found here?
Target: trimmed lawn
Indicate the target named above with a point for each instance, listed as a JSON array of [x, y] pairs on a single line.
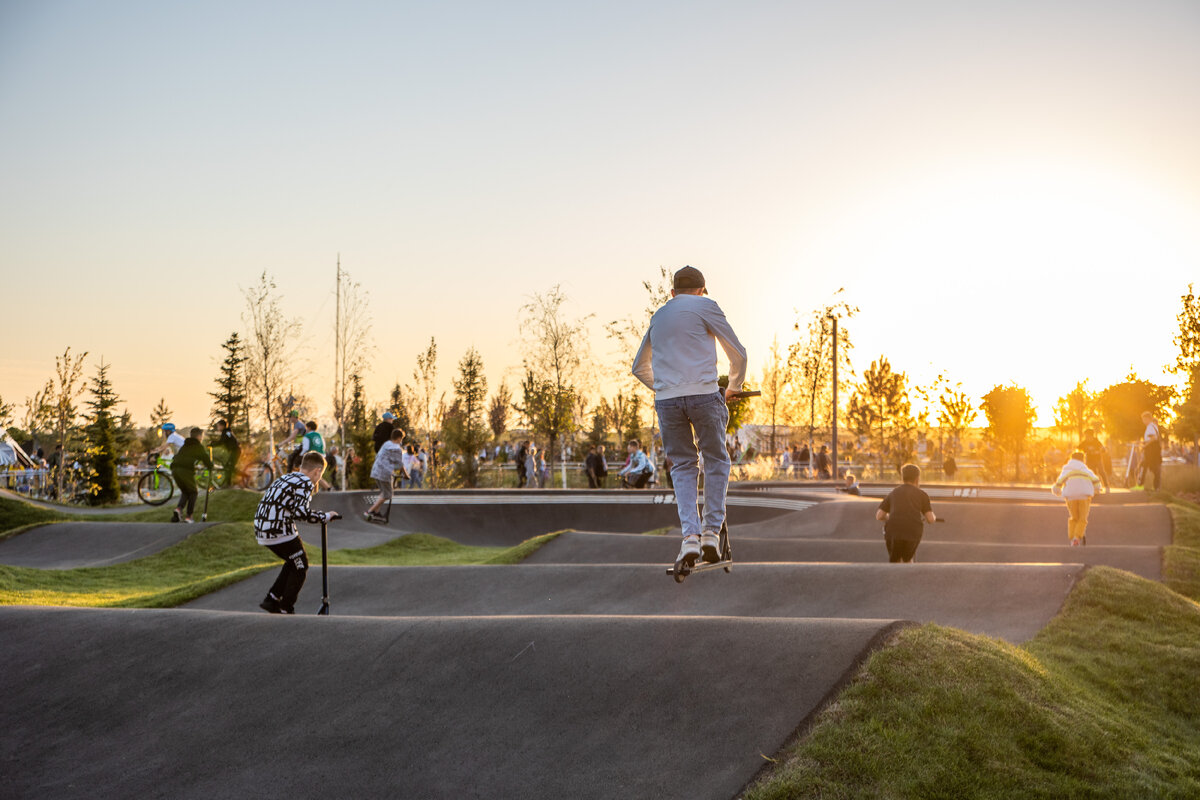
[[216, 557], [1102, 703]]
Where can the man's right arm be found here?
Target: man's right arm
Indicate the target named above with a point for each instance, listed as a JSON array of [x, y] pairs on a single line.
[[643, 369]]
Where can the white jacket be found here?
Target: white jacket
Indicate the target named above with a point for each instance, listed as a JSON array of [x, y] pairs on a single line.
[[678, 354], [1076, 481]]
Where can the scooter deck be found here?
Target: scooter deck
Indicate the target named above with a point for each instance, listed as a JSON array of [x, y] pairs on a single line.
[[704, 566]]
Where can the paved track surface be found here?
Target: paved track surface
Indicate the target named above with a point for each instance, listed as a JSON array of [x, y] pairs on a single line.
[[1011, 602], [968, 521], [67, 545], [569, 676], [112, 703], [575, 547]]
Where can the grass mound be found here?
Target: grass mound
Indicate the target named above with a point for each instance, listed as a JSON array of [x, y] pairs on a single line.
[[1102, 703], [17, 515], [216, 557]]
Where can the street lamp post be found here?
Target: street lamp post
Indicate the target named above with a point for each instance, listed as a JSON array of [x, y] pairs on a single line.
[[835, 399]]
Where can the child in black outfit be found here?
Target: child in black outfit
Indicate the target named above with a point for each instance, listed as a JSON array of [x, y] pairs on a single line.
[[183, 470], [904, 513]]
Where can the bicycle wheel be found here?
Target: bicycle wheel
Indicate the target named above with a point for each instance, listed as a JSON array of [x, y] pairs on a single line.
[[260, 476], [214, 480], [156, 488]]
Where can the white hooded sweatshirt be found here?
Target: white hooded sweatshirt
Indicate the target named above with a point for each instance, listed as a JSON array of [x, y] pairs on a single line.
[[1076, 481]]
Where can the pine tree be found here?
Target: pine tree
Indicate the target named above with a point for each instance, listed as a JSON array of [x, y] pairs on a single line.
[[465, 429], [498, 410], [161, 414], [101, 433], [229, 401], [358, 431]]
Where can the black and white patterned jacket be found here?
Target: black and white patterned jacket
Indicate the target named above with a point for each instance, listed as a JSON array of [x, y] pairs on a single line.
[[285, 501]]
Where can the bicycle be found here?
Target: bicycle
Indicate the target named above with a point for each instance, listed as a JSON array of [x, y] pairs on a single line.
[[156, 487], [261, 474]]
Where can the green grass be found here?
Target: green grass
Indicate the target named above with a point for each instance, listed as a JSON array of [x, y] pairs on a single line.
[[17, 516], [216, 557], [1101, 704], [1181, 561]]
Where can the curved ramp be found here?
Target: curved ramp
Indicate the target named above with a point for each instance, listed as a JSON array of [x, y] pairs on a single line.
[[405, 708], [502, 518], [68, 545], [579, 547], [1009, 601]]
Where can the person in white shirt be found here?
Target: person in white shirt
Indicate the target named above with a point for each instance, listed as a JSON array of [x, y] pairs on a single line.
[[174, 441], [388, 460], [638, 470], [678, 360], [1151, 453], [1077, 485]]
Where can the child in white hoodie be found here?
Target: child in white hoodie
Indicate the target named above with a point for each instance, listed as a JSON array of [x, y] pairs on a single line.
[[1077, 485]]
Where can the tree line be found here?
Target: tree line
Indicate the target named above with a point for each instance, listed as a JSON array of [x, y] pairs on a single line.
[[558, 399]]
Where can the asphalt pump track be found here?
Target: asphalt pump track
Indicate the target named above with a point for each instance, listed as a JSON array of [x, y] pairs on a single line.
[[561, 677]]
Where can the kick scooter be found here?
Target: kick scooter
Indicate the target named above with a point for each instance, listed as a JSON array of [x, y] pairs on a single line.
[[324, 610]]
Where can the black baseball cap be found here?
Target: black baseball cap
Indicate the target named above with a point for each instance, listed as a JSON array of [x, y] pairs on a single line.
[[688, 278]]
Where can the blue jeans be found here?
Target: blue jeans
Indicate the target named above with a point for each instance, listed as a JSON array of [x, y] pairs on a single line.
[[691, 426]]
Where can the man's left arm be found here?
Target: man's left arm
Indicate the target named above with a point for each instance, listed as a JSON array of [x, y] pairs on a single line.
[[719, 326]]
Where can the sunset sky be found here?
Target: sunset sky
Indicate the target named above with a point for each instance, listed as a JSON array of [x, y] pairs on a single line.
[[1009, 191]]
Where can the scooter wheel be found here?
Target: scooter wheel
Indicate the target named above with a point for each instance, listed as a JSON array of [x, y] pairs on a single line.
[[679, 577], [728, 570]]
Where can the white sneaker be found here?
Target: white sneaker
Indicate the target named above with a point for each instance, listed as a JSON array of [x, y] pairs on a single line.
[[710, 547], [690, 550]]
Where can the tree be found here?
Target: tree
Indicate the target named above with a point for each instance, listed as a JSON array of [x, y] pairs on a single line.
[[68, 371], [1187, 363], [1077, 411], [271, 350], [401, 401], [359, 432], [465, 429], [1010, 414], [556, 349], [426, 377], [956, 411], [101, 433], [6, 414], [498, 410], [1122, 405], [352, 344], [38, 417], [229, 401], [160, 414], [547, 408], [811, 359], [881, 400], [775, 407]]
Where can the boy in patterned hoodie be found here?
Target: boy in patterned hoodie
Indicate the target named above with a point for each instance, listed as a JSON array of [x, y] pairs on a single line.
[[285, 501]]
